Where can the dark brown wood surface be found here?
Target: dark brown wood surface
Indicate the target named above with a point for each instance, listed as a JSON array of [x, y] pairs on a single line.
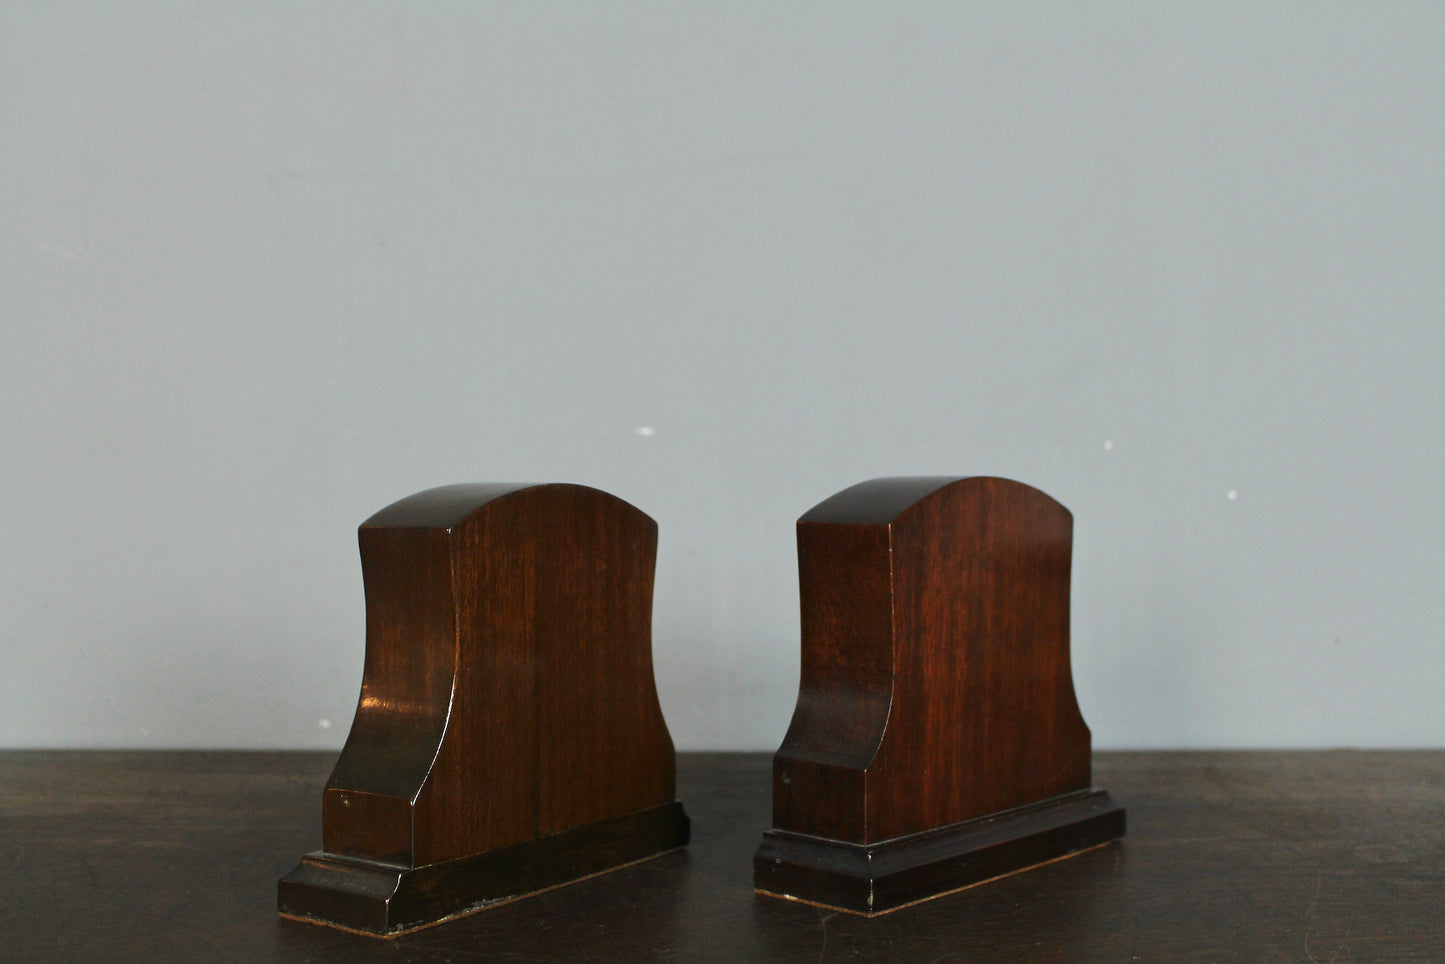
[[1231, 857], [508, 690], [936, 685], [936, 740], [508, 737]]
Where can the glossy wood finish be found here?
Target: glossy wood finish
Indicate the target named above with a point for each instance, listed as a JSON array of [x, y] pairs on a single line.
[[1231, 858], [882, 877], [936, 691], [507, 704]]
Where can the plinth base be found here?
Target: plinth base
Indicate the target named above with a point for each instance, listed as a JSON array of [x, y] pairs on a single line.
[[385, 899], [876, 878]]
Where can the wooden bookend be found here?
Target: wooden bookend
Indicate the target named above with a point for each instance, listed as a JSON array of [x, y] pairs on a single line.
[[509, 737], [936, 741]]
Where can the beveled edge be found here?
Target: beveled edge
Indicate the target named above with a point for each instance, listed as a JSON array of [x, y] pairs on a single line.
[[877, 878], [384, 900]]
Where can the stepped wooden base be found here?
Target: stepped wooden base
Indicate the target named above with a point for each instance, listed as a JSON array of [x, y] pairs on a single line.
[[872, 879], [385, 900]]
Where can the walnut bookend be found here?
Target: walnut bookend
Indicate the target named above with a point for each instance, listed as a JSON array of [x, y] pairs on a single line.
[[936, 741], [508, 737]]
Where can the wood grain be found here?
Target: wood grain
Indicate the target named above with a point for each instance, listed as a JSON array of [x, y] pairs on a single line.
[[507, 696], [1234, 858], [936, 686]]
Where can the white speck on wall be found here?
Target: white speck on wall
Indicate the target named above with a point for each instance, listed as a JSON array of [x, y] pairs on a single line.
[[324, 723], [646, 431], [1108, 445], [1233, 494]]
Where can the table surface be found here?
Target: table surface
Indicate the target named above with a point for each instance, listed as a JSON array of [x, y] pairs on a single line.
[[1231, 856]]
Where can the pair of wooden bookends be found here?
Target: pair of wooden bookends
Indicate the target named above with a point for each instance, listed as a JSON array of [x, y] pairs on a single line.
[[509, 737]]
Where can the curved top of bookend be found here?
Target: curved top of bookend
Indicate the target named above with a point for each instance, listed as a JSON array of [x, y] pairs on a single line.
[[936, 684], [508, 689]]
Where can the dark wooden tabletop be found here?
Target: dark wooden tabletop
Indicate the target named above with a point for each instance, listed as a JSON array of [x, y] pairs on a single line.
[[1250, 857]]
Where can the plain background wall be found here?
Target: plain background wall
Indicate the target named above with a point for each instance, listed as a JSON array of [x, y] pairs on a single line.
[[266, 267]]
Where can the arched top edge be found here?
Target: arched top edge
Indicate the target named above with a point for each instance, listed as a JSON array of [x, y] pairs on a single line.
[[447, 506], [883, 501]]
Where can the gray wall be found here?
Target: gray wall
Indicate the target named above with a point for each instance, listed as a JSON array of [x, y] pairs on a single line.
[[265, 268]]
